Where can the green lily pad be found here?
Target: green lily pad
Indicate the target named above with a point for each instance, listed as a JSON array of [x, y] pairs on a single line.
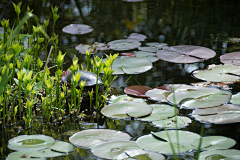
[[157, 45], [214, 142], [141, 155], [46, 153], [199, 97], [124, 44], [158, 94], [160, 112], [185, 54], [126, 109], [124, 98], [219, 73], [30, 142], [148, 49], [235, 98], [146, 55], [112, 150], [22, 155], [227, 113], [77, 29], [171, 122], [91, 137], [61, 146], [149, 142], [230, 154], [130, 65]]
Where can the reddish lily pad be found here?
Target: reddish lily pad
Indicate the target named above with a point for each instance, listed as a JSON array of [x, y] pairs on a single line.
[[130, 54], [77, 29], [185, 54], [231, 58], [136, 90]]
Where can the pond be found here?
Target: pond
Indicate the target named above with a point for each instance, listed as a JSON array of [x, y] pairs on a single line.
[[210, 24]]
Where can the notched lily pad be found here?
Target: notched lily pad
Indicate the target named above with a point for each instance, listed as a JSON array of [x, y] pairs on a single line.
[[231, 154], [77, 29], [231, 58], [219, 73], [22, 155], [61, 146], [172, 123], [126, 109], [91, 137], [136, 90], [199, 97], [123, 44], [227, 113], [185, 54]]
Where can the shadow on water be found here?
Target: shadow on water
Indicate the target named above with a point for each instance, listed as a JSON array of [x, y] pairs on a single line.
[[177, 22]]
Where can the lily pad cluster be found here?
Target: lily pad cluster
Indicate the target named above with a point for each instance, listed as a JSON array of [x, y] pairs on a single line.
[[37, 146]]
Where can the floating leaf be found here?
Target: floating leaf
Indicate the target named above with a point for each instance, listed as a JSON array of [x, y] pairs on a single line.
[[91, 47], [160, 112], [199, 97], [136, 90], [235, 98], [130, 54], [123, 44], [91, 137], [185, 54], [46, 153], [30, 142], [137, 37], [214, 142], [228, 154], [219, 73], [220, 85], [231, 58], [126, 109], [61, 146], [149, 142], [77, 29], [130, 65], [172, 123], [22, 155], [146, 55], [124, 98], [158, 94], [112, 150], [157, 45], [227, 113]]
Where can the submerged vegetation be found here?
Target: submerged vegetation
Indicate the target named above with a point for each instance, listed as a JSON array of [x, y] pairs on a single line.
[[38, 97]]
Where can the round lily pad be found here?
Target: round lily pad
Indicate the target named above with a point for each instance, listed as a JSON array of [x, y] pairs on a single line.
[[146, 55], [61, 146], [22, 155], [30, 142], [171, 123], [185, 54], [112, 150], [160, 112], [230, 154], [235, 98], [219, 73], [126, 109], [77, 29], [149, 142], [124, 98], [91, 137], [137, 90], [227, 113], [141, 155], [46, 153], [231, 58], [199, 97], [130, 65], [214, 142], [158, 94], [137, 37], [123, 44]]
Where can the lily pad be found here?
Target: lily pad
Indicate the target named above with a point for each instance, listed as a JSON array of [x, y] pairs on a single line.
[[46, 153], [123, 44], [185, 54], [171, 123], [158, 94], [160, 112], [137, 37], [130, 54], [235, 99], [158, 45], [199, 97], [227, 113], [148, 49], [214, 142], [231, 58], [93, 47], [146, 55], [219, 73], [149, 142], [229, 154], [124, 98], [112, 150], [130, 65], [136, 90], [30, 142], [77, 29], [61, 146], [22, 155], [126, 109], [91, 137], [141, 155]]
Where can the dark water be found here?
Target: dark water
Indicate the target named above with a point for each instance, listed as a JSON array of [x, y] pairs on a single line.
[[191, 22]]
